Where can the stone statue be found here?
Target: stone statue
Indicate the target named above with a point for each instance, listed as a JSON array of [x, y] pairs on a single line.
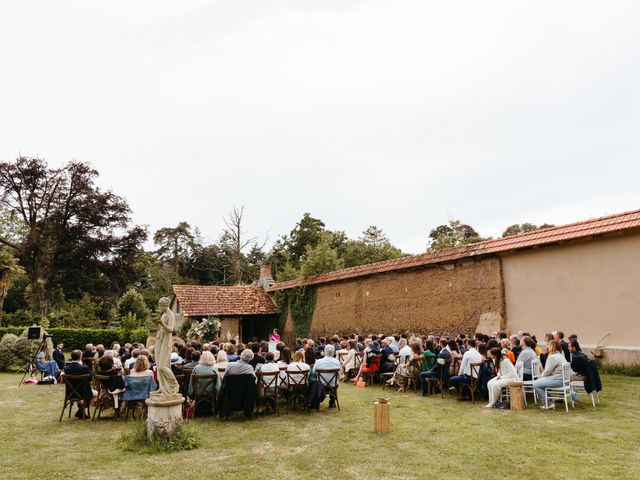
[[167, 383], [164, 407]]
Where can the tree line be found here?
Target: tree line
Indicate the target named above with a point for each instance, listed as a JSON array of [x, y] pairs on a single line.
[[70, 252]]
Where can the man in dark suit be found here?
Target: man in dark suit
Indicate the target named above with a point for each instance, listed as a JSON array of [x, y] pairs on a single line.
[[564, 345], [75, 367], [58, 355]]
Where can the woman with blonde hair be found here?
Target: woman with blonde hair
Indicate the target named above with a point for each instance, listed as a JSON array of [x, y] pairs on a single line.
[[221, 362], [298, 365], [551, 377], [141, 368]]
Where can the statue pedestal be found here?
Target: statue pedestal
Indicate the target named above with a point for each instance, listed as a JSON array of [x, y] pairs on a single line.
[[164, 414]]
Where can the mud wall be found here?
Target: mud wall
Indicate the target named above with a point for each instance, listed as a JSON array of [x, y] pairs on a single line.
[[443, 299]]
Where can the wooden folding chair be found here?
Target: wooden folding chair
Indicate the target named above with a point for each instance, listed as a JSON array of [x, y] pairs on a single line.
[[268, 391], [474, 382], [297, 388], [208, 397], [75, 389], [330, 379]]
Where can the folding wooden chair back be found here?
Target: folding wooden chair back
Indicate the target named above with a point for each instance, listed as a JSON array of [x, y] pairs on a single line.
[[75, 391], [330, 379], [297, 388], [474, 382], [268, 391], [208, 394], [105, 399]]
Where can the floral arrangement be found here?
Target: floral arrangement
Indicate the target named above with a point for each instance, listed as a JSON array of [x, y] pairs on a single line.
[[206, 330]]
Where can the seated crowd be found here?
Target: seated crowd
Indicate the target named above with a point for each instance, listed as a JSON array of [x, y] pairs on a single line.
[[399, 360]]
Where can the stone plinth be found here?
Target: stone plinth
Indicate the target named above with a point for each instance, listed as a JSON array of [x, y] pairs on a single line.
[[164, 414]]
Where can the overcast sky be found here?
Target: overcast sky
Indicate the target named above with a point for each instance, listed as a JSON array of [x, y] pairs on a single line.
[[399, 114]]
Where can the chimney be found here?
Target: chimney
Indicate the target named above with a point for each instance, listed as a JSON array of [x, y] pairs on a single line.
[[265, 280]]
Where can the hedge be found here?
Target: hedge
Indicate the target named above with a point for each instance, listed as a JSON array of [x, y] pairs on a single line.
[[78, 337]]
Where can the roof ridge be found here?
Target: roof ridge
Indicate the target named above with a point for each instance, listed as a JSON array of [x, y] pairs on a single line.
[[521, 240]]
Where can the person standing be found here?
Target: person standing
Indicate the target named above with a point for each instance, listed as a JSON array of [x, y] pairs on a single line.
[[58, 355]]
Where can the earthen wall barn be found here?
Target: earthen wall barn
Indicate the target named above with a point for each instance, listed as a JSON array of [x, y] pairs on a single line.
[[442, 299]]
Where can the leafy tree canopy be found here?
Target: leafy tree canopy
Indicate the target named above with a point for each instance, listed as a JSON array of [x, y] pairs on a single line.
[[452, 234], [517, 228]]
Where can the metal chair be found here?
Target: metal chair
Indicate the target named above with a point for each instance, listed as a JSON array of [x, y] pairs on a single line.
[[578, 387], [528, 384], [563, 392]]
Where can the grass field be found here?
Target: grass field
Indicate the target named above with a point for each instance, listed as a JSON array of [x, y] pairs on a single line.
[[430, 438]]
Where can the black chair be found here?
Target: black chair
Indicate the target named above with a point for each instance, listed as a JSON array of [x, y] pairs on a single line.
[[77, 389], [237, 393], [329, 378]]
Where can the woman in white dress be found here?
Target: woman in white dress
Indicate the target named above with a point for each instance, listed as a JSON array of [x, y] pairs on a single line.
[[506, 374]]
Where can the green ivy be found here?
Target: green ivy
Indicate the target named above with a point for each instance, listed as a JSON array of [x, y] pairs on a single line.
[[302, 302], [282, 301]]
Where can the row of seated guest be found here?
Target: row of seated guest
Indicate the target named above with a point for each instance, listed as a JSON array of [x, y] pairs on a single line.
[[423, 355]]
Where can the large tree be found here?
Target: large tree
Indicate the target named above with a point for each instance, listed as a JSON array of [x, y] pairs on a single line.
[[175, 244], [8, 268], [77, 237]]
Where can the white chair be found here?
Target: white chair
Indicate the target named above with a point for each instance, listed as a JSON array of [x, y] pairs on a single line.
[[563, 392], [578, 387], [528, 384]]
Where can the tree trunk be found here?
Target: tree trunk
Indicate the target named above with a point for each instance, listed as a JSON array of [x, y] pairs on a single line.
[[3, 294]]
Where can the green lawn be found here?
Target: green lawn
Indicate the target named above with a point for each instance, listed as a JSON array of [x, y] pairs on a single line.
[[430, 438]]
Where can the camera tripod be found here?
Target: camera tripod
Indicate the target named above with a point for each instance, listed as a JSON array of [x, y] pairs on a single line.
[[29, 367]]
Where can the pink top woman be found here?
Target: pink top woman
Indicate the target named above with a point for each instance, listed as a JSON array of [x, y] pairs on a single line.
[[274, 336]]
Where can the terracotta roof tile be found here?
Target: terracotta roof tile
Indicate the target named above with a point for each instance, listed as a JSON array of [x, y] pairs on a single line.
[[598, 226], [223, 300]]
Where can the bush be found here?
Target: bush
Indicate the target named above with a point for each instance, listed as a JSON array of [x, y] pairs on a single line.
[[14, 351], [19, 318], [620, 369], [78, 337]]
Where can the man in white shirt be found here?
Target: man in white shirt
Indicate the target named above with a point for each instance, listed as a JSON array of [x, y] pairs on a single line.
[[328, 362], [466, 373], [405, 350], [134, 356]]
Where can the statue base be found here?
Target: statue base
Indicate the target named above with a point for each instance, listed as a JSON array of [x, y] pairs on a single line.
[[164, 414]]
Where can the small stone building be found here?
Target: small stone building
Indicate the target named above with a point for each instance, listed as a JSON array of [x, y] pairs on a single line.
[[245, 311]]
